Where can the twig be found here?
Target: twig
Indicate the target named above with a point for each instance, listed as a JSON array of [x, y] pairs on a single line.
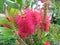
[[20, 40], [31, 39], [44, 19]]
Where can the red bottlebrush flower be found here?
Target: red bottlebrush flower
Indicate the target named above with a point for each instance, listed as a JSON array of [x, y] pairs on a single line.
[[9, 19], [22, 34], [35, 17], [5, 25], [47, 23], [46, 26], [25, 24], [18, 19], [29, 20], [47, 43]]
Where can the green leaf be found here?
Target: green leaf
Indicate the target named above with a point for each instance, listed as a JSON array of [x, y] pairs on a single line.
[[5, 31], [45, 39], [1, 6], [16, 12], [12, 4], [11, 11], [3, 21], [20, 3], [13, 0]]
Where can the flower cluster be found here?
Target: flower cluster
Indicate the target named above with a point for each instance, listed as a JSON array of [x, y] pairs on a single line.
[[27, 23]]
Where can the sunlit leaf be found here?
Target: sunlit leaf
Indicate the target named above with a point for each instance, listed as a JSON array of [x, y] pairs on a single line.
[[11, 11]]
